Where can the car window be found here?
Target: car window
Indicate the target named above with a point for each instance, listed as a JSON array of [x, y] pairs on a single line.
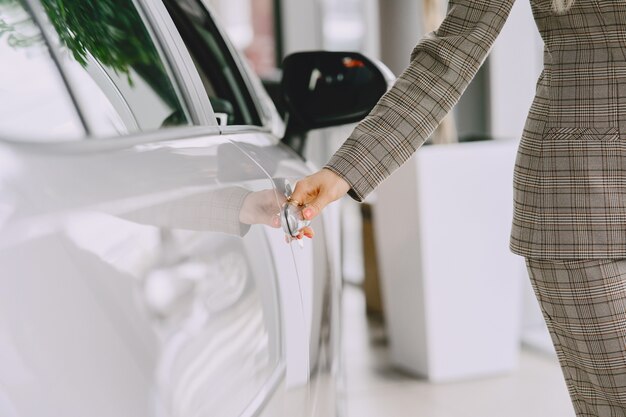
[[34, 102], [120, 76], [222, 80]]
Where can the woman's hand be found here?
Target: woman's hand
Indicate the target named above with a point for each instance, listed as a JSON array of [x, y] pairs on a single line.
[[319, 190], [261, 207]]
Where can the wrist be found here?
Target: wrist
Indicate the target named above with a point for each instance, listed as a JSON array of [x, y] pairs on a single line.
[[340, 185], [245, 210]]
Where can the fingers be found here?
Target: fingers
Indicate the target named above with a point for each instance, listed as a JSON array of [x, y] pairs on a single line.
[[305, 232], [314, 208], [309, 211], [308, 232], [304, 191], [274, 222], [317, 191], [312, 193]]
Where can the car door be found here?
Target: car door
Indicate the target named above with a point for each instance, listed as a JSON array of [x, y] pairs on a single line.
[[129, 284], [312, 355]]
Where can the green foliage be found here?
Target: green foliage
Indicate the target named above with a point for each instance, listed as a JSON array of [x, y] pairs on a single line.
[[113, 32], [110, 30]]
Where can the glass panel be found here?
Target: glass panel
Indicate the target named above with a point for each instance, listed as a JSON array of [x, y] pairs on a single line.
[[34, 102], [251, 25], [220, 75], [111, 56]]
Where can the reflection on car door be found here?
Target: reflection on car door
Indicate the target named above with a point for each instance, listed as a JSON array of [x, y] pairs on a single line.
[[130, 285], [311, 340], [313, 357], [144, 293]]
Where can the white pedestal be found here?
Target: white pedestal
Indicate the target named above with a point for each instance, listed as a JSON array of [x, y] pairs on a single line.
[[451, 287]]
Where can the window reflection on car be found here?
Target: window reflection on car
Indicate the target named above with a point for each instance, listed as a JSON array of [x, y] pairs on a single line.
[[33, 99], [110, 39]]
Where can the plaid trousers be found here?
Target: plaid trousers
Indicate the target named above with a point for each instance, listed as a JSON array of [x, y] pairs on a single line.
[[584, 305]]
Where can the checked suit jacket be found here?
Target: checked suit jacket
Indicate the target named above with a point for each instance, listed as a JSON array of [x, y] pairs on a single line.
[[570, 172]]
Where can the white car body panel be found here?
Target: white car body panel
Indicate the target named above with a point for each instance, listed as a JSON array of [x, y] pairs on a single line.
[[86, 253], [128, 287]]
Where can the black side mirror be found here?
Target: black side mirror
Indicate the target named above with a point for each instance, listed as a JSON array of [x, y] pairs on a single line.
[[323, 89]]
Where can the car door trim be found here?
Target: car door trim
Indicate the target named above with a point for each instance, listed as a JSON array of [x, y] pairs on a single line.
[[171, 67], [116, 142], [231, 130], [180, 61], [138, 138]]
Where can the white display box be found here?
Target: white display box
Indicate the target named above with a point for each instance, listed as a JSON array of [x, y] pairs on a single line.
[[451, 287]]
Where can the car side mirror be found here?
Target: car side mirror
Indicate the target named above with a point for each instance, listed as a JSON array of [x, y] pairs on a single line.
[[324, 89]]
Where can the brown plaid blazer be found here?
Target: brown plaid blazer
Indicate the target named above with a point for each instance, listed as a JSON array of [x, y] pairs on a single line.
[[570, 174]]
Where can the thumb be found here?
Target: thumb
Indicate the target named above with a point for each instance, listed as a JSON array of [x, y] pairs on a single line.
[[311, 211], [312, 195], [315, 206], [303, 191]]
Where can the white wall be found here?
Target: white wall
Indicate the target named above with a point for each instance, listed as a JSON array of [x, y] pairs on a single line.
[[514, 64], [302, 25], [401, 29]]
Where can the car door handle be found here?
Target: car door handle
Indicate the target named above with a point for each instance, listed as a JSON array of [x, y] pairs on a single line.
[[291, 217]]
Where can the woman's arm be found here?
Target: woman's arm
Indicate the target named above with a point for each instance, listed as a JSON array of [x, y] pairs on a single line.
[[442, 65]]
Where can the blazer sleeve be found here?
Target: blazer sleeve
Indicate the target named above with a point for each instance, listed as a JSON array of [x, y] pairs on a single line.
[[215, 211], [441, 67]]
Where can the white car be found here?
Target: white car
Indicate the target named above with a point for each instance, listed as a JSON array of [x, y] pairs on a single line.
[[143, 176]]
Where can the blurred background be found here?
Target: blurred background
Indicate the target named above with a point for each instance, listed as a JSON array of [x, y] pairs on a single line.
[[426, 258], [135, 281]]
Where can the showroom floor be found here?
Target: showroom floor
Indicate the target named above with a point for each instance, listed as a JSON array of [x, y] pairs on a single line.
[[375, 389]]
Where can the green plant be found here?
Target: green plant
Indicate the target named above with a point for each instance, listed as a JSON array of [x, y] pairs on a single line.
[[110, 30]]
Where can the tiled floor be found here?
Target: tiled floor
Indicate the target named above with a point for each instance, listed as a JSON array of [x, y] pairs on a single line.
[[375, 389]]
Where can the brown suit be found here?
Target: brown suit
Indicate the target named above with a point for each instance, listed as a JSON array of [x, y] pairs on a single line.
[[570, 174]]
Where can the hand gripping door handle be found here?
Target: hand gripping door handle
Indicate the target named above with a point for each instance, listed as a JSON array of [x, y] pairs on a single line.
[[291, 215]]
